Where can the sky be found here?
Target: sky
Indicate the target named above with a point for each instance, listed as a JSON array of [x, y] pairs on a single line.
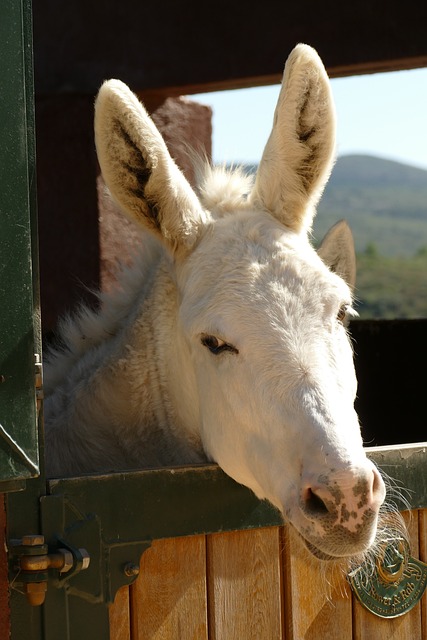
[[383, 114]]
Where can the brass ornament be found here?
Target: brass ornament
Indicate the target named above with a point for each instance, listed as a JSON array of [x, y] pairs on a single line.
[[396, 584]]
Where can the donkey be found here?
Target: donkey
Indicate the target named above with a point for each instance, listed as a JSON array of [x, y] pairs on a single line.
[[227, 340]]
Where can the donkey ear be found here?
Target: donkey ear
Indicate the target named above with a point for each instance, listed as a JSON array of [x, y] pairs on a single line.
[[338, 253], [140, 173], [299, 154]]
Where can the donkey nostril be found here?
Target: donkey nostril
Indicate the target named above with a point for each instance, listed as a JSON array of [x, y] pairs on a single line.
[[315, 505]]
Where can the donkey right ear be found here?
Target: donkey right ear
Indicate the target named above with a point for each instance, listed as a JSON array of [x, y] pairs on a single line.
[[139, 171], [338, 253], [299, 153]]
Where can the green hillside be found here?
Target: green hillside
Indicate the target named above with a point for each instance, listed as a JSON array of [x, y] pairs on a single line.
[[391, 287], [385, 203]]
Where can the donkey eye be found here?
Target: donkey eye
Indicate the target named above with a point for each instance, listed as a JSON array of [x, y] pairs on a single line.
[[342, 313], [216, 345]]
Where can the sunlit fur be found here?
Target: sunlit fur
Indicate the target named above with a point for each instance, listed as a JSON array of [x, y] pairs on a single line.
[[226, 339]]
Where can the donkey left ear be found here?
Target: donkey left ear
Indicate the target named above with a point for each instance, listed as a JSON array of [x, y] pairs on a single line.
[[338, 253], [141, 175], [300, 151]]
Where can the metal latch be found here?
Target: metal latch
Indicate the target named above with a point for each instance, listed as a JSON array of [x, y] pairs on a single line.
[[32, 559], [38, 381]]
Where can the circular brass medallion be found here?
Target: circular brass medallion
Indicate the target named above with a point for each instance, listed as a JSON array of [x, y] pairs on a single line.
[[396, 584]]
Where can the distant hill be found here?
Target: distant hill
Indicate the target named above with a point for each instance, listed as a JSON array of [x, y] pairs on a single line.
[[364, 171], [385, 203]]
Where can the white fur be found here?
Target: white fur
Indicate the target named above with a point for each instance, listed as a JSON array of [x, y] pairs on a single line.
[[137, 384]]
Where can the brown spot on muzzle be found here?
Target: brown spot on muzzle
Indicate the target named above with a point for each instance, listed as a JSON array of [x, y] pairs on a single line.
[[338, 541], [346, 525], [345, 514], [361, 489]]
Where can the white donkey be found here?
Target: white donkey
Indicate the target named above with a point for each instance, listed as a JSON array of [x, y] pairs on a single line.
[[227, 341]]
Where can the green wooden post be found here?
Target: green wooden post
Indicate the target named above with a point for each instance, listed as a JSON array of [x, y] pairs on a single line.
[[20, 336], [19, 314]]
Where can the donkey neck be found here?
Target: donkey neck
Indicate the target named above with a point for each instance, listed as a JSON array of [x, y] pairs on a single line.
[[130, 402], [155, 374]]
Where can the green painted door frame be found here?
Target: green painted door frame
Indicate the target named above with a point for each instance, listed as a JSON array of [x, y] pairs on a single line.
[[19, 303], [21, 477]]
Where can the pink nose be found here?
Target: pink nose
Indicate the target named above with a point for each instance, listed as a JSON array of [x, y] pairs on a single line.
[[345, 494]]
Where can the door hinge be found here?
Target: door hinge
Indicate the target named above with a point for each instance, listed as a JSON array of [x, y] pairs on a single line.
[[32, 560]]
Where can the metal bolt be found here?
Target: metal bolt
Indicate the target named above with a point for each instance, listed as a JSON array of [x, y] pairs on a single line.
[[62, 560], [131, 569], [35, 592], [85, 558], [65, 561], [32, 540]]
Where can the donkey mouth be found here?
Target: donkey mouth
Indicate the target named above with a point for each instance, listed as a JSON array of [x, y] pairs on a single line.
[[326, 557], [317, 553]]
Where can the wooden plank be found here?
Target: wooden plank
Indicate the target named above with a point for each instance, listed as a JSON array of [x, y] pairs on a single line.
[[119, 616], [318, 602], [367, 626], [77, 46], [244, 585], [168, 601], [423, 556]]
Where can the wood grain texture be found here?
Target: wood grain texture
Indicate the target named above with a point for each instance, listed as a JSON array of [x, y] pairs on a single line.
[[367, 626], [253, 585], [119, 616], [168, 601], [318, 600], [244, 585]]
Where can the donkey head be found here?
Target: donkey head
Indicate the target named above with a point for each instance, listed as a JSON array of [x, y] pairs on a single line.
[[268, 365]]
